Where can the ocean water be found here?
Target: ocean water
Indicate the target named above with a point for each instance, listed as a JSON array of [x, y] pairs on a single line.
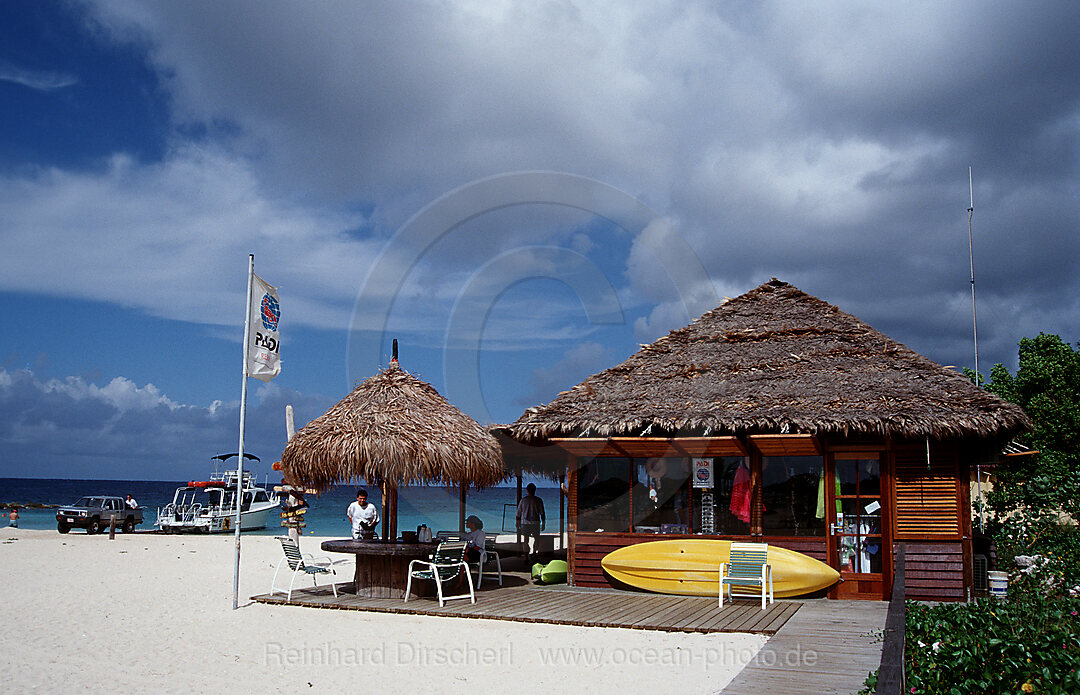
[[435, 506]]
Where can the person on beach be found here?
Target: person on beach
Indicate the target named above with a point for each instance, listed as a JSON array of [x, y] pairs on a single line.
[[474, 537], [13, 517], [130, 502], [362, 515], [530, 522]]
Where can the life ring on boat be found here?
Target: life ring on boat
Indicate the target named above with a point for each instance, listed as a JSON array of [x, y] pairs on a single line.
[[226, 523]]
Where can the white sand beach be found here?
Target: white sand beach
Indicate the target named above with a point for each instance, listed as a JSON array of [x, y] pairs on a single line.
[[153, 613]]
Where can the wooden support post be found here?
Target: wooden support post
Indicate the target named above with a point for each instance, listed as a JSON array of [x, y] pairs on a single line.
[[562, 509], [891, 680], [112, 528], [518, 501], [384, 488], [461, 507]]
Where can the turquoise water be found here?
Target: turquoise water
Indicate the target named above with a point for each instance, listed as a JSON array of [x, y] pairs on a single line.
[[435, 506]]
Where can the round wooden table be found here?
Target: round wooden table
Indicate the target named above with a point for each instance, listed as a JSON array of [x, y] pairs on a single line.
[[382, 567]]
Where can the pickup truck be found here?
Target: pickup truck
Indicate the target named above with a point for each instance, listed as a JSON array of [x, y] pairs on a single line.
[[96, 513]]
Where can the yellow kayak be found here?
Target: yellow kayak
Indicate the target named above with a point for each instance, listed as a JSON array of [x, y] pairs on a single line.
[[691, 567]]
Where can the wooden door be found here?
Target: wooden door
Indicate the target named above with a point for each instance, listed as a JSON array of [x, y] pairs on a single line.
[[857, 550]]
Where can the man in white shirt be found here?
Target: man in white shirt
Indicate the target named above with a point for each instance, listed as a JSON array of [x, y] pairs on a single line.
[[131, 503], [362, 515]]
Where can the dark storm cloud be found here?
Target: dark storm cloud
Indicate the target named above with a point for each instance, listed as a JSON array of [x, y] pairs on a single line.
[[826, 144], [124, 430]]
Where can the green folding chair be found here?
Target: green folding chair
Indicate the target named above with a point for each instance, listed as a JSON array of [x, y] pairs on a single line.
[[748, 566]]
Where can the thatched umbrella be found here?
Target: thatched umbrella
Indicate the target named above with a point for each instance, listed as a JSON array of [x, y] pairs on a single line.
[[393, 429]]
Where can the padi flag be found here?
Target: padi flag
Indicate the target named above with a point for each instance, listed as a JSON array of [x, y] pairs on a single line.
[[264, 357]]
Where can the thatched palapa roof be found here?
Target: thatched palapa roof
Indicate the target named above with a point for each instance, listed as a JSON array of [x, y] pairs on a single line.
[[393, 427], [774, 360]]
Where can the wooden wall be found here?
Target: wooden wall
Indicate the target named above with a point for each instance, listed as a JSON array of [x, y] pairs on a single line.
[[935, 571], [928, 510]]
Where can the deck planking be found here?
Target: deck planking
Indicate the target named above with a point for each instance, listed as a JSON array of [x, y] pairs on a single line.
[[815, 646], [824, 647], [630, 610]]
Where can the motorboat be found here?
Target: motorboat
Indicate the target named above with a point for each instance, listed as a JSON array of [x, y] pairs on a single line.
[[209, 506]]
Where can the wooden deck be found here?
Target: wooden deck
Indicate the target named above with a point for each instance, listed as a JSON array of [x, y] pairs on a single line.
[[817, 646], [827, 647], [562, 605]]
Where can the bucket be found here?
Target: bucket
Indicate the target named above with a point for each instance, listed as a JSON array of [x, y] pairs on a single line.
[[999, 583]]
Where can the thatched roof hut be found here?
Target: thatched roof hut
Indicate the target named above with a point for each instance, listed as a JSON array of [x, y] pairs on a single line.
[[774, 360], [397, 429]]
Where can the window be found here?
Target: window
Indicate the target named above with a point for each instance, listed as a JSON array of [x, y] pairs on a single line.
[[731, 498], [793, 495], [604, 495], [660, 499]]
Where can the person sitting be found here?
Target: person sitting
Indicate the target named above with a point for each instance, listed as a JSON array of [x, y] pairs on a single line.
[[474, 537], [130, 502], [363, 516]]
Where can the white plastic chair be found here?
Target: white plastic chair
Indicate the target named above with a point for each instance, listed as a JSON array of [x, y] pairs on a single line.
[[446, 565], [487, 554]]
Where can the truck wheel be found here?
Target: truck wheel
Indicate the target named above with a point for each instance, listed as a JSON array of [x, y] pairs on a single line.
[[63, 528], [94, 526], [129, 525]]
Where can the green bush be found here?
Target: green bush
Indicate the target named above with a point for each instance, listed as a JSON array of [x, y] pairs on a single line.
[[1027, 643]]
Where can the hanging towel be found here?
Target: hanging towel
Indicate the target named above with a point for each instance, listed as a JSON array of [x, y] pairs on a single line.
[[820, 513], [740, 495]]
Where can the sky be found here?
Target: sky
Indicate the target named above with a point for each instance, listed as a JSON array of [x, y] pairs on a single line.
[[521, 193]]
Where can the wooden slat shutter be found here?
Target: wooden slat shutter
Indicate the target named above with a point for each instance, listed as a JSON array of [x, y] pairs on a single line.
[[926, 499]]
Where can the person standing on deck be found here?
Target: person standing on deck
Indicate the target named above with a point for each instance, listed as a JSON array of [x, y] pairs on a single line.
[[530, 522]]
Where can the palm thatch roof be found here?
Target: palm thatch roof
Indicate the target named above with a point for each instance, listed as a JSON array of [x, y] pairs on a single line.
[[393, 427], [774, 360]]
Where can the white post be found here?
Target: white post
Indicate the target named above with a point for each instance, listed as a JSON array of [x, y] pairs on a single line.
[[240, 447], [294, 500]]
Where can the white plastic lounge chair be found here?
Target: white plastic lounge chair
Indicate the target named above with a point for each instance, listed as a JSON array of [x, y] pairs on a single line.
[[302, 564]]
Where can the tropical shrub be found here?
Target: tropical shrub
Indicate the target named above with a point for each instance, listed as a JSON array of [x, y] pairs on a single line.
[[1027, 643]]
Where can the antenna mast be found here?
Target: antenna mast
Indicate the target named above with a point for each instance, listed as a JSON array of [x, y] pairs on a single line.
[[975, 335], [971, 258]]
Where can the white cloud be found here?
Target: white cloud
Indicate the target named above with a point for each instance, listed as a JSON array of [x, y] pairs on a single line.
[[172, 239], [40, 80]]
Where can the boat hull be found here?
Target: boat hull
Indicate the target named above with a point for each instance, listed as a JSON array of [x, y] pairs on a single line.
[[250, 520], [691, 567]]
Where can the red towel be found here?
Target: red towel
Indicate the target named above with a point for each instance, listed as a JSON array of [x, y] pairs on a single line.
[[740, 495]]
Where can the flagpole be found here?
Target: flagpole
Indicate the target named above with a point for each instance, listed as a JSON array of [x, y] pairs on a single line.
[[240, 447]]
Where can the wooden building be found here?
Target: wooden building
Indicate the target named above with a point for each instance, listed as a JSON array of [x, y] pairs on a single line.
[[779, 418]]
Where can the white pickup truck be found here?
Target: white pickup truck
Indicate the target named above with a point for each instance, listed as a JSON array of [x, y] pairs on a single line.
[[97, 513]]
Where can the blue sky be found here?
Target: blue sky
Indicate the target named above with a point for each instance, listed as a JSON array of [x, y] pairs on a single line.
[[521, 193]]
